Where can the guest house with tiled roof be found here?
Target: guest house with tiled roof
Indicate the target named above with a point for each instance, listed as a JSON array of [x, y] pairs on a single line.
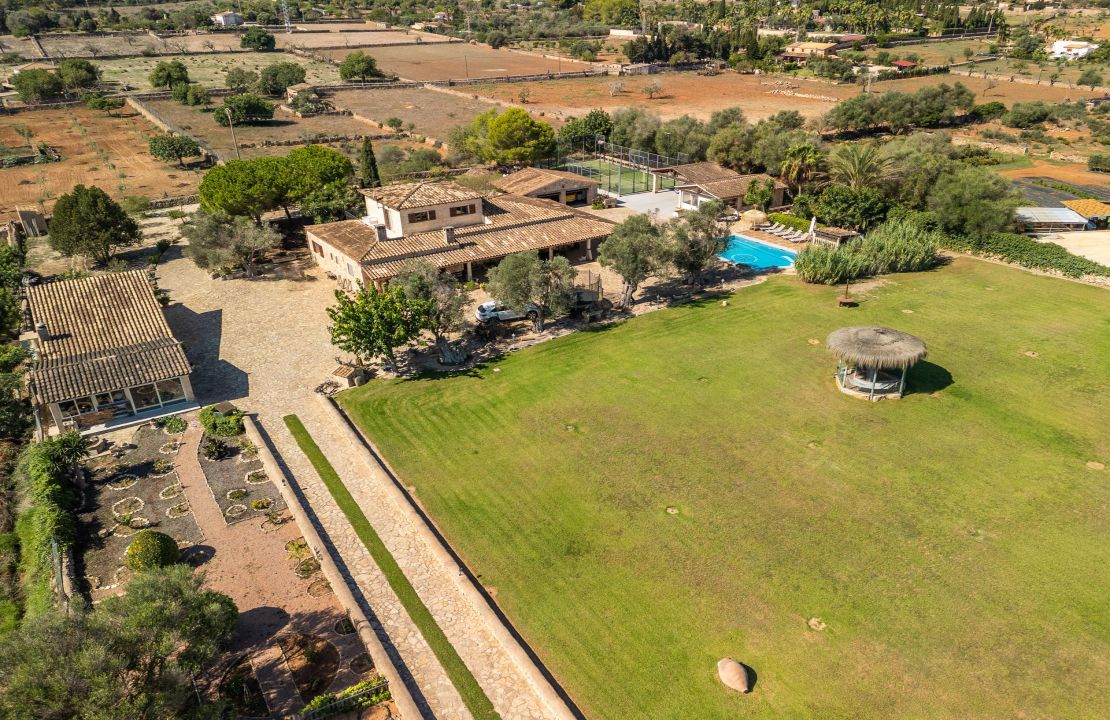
[[458, 229], [103, 354]]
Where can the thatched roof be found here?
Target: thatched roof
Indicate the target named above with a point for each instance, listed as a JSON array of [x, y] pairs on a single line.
[[876, 347]]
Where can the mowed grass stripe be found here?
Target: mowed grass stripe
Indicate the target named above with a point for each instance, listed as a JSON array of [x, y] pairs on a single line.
[[946, 540], [461, 677]]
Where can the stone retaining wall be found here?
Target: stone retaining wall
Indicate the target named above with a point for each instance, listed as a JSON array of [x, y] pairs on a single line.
[[400, 692]]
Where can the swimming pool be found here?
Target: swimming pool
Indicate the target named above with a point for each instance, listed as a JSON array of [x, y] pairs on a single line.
[[755, 254]]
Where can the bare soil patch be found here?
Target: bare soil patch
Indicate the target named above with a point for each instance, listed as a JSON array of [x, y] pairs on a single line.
[[312, 660], [1072, 174], [355, 40], [433, 113], [284, 127], [683, 93], [457, 61], [109, 152]]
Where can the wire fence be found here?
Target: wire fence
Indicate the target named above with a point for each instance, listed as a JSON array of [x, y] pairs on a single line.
[[621, 170]]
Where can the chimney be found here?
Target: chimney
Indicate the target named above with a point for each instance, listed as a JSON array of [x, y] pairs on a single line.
[[380, 229], [40, 330], [449, 234]]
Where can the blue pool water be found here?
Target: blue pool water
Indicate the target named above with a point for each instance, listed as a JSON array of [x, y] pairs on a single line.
[[755, 254]]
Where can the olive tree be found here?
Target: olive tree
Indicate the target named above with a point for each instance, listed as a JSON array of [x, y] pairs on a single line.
[[695, 239], [523, 280], [373, 323], [445, 298], [634, 251]]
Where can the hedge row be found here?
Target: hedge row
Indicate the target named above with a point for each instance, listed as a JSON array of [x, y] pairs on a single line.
[[1029, 253], [1099, 163], [791, 221], [45, 475]]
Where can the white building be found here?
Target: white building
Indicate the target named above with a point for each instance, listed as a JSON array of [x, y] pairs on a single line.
[[1071, 49], [227, 19]]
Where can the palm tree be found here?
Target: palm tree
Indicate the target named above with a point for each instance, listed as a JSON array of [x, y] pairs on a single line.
[[804, 164], [859, 166]]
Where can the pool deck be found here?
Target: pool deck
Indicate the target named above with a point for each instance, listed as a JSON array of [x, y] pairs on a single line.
[[744, 228]]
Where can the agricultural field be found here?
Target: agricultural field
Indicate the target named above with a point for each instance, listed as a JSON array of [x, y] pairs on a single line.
[[1077, 176], [285, 126], [456, 61], [691, 485], [1066, 72], [70, 44], [212, 69], [988, 90], [110, 152], [356, 40], [938, 53], [432, 112], [682, 93]]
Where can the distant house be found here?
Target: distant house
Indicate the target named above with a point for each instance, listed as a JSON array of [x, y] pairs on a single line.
[[227, 19], [1036, 220], [903, 65], [1071, 49], [442, 17], [103, 354], [803, 52], [702, 182], [564, 188], [456, 228]]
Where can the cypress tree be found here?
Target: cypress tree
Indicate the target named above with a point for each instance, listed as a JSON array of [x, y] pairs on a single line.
[[368, 166]]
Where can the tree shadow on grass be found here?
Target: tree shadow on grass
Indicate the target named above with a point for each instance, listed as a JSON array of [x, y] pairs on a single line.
[[926, 378]]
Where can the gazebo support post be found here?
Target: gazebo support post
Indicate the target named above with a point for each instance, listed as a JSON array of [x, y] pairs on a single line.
[[902, 385], [874, 377]]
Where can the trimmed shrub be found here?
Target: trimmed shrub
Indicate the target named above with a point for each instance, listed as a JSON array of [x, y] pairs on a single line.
[[1029, 253], [151, 549], [221, 425], [1099, 163], [174, 424], [791, 221]]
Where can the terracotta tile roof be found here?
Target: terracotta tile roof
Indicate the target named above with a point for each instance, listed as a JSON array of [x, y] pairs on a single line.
[[420, 194], [353, 238], [731, 188], [513, 224], [1088, 208], [701, 172], [531, 180], [105, 333]]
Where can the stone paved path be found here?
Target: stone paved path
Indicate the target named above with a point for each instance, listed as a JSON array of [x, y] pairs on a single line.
[[436, 584], [264, 345]]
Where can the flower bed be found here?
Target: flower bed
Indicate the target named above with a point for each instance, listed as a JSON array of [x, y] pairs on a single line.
[[238, 482], [125, 495]]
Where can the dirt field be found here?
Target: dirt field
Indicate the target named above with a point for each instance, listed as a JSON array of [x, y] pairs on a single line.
[[357, 39], [434, 113], [212, 69], [202, 126], [96, 150], [684, 93], [456, 61], [1006, 92], [1071, 174], [1007, 68]]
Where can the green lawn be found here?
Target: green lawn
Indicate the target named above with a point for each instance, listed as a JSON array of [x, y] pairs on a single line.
[[473, 696], [954, 542]]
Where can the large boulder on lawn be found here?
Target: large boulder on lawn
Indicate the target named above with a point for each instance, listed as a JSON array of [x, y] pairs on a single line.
[[733, 675]]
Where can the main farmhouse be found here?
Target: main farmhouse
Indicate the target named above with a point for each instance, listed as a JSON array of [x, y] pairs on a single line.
[[460, 230]]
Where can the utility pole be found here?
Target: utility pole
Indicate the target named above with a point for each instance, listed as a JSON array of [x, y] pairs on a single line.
[[231, 124]]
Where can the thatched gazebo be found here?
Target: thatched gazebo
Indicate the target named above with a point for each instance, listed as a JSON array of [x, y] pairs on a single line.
[[872, 361]]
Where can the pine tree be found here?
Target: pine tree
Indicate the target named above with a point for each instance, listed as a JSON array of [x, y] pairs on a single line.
[[368, 166]]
